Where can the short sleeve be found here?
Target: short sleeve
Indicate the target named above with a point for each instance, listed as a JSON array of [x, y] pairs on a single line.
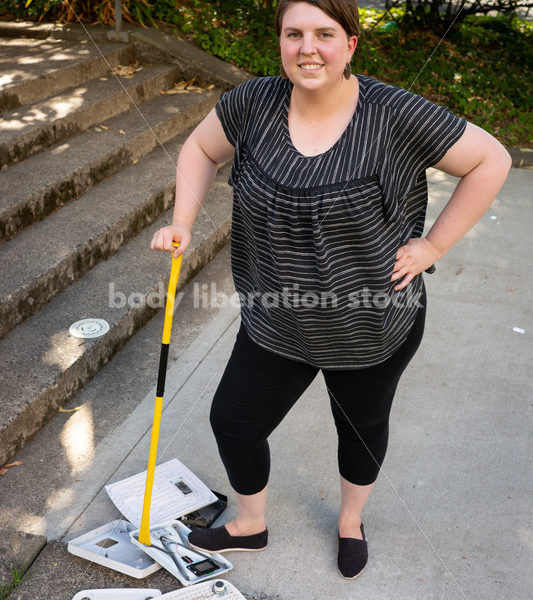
[[420, 135], [233, 110], [423, 132]]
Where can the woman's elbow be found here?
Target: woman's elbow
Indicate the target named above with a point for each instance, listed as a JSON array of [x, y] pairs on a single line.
[[498, 157], [505, 157]]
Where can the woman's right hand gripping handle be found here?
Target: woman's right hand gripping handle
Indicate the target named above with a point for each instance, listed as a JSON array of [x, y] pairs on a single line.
[[164, 237]]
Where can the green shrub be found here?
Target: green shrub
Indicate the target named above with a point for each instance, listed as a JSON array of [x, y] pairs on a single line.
[[31, 10]]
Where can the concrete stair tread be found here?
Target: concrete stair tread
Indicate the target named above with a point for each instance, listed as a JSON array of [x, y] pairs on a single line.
[[39, 249], [50, 62], [28, 129], [43, 182], [20, 55], [62, 105], [99, 193], [39, 352], [38, 263]]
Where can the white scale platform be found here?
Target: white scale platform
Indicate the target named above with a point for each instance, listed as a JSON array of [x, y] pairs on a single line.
[[216, 588]]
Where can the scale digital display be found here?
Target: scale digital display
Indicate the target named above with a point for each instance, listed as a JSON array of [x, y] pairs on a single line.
[[203, 567]]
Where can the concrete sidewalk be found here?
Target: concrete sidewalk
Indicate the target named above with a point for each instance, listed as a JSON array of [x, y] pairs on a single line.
[[450, 515]]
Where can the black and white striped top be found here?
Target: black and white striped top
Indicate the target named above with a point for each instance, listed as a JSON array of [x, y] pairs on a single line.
[[314, 239]]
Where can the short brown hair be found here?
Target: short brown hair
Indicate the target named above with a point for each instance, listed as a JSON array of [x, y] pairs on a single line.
[[344, 12]]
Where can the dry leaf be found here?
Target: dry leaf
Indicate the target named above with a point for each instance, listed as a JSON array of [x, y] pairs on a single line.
[[173, 91], [182, 87], [4, 469], [104, 127], [120, 70], [127, 70], [69, 410]]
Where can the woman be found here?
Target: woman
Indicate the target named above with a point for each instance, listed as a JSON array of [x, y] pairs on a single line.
[[327, 255]]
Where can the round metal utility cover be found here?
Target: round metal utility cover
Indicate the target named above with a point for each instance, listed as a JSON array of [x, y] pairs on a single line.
[[89, 328]]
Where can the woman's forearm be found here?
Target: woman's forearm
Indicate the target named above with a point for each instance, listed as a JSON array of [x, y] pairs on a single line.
[[470, 200], [194, 175]]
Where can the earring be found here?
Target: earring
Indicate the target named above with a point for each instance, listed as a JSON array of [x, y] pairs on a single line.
[[347, 71], [282, 72]]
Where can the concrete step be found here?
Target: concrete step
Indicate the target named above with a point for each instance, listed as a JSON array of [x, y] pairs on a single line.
[[39, 185], [31, 70], [36, 30], [44, 366], [32, 128], [38, 264]]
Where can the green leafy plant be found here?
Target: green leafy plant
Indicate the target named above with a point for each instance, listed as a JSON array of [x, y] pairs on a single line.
[[133, 11], [440, 15], [6, 589]]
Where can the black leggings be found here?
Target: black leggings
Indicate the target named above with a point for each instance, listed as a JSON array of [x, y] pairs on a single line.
[[258, 388]]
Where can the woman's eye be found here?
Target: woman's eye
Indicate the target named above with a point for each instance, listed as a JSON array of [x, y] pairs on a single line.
[[296, 34]]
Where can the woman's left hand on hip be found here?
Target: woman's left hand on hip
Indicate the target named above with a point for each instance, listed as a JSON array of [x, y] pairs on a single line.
[[413, 258]]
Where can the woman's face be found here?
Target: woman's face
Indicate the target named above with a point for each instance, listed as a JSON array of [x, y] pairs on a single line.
[[314, 48]]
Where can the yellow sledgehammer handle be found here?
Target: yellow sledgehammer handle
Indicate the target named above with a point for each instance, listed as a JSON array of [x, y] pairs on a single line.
[[144, 533]]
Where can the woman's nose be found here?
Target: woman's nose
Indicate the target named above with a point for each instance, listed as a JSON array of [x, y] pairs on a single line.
[[308, 44]]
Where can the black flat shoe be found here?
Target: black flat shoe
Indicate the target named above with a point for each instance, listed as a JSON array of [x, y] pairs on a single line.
[[353, 555], [218, 539]]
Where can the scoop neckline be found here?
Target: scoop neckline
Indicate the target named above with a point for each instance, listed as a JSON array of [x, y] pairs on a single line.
[[285, 119]]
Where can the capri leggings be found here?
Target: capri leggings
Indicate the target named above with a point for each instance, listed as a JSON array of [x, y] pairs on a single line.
[[258, 388]]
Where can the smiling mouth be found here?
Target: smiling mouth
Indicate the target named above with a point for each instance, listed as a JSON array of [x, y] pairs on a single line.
[[311, 67]]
